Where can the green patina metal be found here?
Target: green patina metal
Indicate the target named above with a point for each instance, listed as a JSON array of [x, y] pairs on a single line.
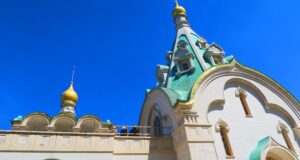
[[195, 38], [180, 86], [173, 96], [183, 84], [90, 116], [66, 114], [20, 119], [163, 67], [256, 153], [229, 59]]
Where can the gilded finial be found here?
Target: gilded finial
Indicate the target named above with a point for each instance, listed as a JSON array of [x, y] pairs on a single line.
[[176, 3], [70, 97], [178, 10], [73, 74]]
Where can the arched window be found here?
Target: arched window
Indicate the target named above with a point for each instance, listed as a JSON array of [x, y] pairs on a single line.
[[222, 127], [201, 43], [183, 58], [285, 134], [157, 127], [243, 95]]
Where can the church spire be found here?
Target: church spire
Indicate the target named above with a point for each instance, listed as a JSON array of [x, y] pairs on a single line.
[[178, 10], [179, 15], [69, 97]]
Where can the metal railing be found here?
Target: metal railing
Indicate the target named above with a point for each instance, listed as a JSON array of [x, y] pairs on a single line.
[[123, 130]]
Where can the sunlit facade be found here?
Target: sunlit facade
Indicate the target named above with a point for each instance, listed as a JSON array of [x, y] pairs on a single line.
[[205, 106]]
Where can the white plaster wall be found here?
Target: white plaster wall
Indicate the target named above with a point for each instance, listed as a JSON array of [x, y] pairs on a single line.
[[59, 156], [197, 150], [213, 101], [157, 99], [245, 132], [82, 156]]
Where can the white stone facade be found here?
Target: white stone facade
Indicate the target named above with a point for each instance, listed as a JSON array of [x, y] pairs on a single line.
[[24, 145], [196, 134]]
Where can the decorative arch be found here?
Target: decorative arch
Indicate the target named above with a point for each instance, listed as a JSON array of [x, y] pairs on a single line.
[[63, 123], [269, 149], [152, 107], [278, 153], [154, 112], [280, 109], [40, 114], [89, 123], [170, 97], [216, 105], [247, 84], [154, 120], [236, 69], [261, 97], [36, 121], [236, 66]]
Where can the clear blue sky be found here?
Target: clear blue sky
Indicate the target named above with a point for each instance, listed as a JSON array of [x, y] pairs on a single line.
[[116, 44]]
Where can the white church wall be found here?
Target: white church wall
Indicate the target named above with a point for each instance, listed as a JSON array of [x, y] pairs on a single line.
[[83, 156], [56, 156], [244, 132], [197, 150], [24, 145], [157, 105]]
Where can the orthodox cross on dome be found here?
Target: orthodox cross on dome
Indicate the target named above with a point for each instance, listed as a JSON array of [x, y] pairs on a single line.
[[73, 74], [69, 97]]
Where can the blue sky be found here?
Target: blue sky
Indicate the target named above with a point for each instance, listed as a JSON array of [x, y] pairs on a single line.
[[116, 44]]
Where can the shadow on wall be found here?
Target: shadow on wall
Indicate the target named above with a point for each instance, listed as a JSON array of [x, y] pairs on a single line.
[[161, 148]]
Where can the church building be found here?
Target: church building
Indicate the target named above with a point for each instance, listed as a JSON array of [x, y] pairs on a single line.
[[205, 106]]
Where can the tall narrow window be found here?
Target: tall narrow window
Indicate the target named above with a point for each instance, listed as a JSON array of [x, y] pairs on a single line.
[[226, 142], [286, 138], [223, 128], [157, 127], [216, 60], [243, 97]]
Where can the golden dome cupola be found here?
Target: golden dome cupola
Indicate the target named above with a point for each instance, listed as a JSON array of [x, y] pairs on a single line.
[[69, 98], [178, 11], [179, 15]]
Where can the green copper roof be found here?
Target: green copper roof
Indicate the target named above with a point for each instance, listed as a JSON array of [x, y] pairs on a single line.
[[184, 83], [256, 153], [174, 97]]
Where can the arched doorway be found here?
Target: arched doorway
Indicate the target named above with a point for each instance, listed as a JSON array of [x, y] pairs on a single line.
[[269, 149], [279, 153]]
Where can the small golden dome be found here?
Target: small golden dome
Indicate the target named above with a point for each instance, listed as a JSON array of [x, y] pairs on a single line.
[[69, 97], [178, 11]]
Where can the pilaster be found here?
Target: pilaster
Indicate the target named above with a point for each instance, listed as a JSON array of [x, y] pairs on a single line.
[[192, 140]]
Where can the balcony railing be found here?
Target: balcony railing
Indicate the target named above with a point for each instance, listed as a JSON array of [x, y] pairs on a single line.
[[123, 130]]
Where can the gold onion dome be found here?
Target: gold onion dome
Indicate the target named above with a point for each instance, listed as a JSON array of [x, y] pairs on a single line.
[[178, 11], [69, 97]]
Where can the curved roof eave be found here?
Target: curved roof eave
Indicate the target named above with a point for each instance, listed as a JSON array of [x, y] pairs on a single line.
[[36, 113], [173, 97], [90, 116], [233, 63]]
